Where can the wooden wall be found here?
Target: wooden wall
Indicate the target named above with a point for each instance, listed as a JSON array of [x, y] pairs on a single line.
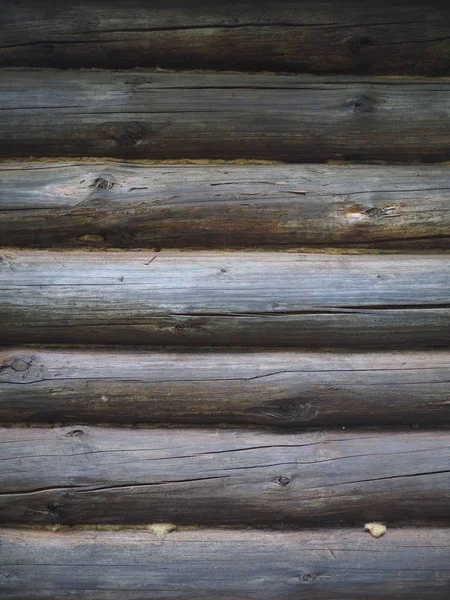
[[224, 300]]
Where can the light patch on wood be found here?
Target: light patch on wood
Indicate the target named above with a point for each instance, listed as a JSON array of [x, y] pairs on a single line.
[[55, 527], [92, 239], [161, 529], [375, 529]]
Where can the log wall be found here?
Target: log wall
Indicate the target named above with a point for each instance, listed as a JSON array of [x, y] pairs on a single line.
[[224, 300]]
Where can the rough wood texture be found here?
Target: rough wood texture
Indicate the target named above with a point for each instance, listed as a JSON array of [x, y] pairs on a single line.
[[269, 388], [337, 564], [224, 298], [224, 477], [225, 116], [110, 204], [313, 36]]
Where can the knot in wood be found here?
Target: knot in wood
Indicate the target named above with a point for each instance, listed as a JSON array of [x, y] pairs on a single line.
[[75, 433], [20, 364], [282, 480], [55, 509], [358, 44], [125, 134], [103, 184], [363, 104], [379, 211]]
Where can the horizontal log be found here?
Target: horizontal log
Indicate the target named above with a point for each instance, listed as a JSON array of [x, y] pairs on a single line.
[[405, 564], [223, 477], [111, 204], [268, 388], [223, 116], [224, 298], [314, 37]]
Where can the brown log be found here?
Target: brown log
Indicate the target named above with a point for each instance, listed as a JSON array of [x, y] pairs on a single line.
[[112, 204], [233, 477], [336, 564], [266, 388], [224, 298], [223, 116], [312, 36]]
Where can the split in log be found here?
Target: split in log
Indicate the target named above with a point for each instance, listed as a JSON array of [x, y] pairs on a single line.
[[110, 204], [81, 475], [224, 298], [266, 388], [405, 564], [313, 36], [223, 116]]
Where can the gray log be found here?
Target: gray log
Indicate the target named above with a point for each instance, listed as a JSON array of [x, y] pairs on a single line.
[[221, 477], [111, 204], [337, 564], [268, 388], [313, 36], [223, 116], [224, 298]]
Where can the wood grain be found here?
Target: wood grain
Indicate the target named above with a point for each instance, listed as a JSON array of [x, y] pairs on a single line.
[[224, 298], [85, 474], [268, 388], [312, 36], [113, 204], [223, 116], [334, 564]]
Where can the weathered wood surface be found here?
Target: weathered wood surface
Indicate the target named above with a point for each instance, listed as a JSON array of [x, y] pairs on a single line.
[[336, 564], [224, 477], [313, 36], [224, 298], [269, 388], [223, 116], [111, 204]]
